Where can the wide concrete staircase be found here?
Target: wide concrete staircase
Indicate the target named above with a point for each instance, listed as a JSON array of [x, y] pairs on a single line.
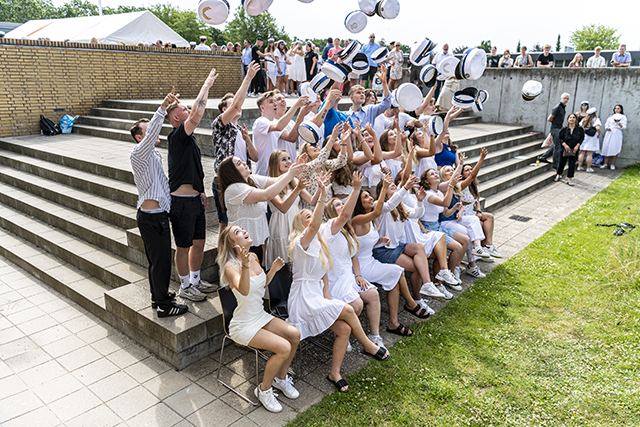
[[67, 215]]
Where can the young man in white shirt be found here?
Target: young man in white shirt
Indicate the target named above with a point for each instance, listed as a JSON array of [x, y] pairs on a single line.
[[203, 44], [596, 61], [154, 202], [268, 129]]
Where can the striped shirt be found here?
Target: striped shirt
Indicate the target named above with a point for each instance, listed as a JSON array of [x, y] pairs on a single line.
[[146, 163]]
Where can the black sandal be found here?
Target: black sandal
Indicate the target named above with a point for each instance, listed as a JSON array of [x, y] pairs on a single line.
[[379, 354], [340, 384], [401, 330], [418, 311]]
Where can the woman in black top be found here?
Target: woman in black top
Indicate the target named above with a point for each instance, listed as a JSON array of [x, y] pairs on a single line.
[[571, 137], [310, 62]]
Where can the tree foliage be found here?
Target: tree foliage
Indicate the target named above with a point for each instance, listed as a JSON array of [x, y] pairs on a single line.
[[243, 26], [460, 49], [590, 36], [21, 11], [518, 48], [485, 45], [536, 47], [558, 44]]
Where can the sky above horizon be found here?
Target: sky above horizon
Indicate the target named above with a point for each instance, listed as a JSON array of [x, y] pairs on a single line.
[[501, 21]]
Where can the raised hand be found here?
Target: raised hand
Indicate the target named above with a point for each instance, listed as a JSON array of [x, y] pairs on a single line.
[[388, 180], [385, 170], [483, 152], [322, 188], [277, 264], [252, 70], [245, 132], [244, 255], [211, 78], [326, 178], [463, 157], [337, 130], [356, 180], [382, 75], [421, 194], [411, 182], [170, 98], [301, 102], [369, 129], [302, 183], [298, 166]]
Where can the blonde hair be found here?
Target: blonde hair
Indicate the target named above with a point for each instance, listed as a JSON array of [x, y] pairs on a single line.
[[274, 170], [226, 253], [456, 188], [297, 228], [347, 230]]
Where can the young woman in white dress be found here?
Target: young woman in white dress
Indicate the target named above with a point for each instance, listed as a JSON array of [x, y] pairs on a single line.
[[590, 143], [612, 144], [345, 279], [250, 324], [284, 206], [311, 308], [244, 196], [297, 70], [389, 276]]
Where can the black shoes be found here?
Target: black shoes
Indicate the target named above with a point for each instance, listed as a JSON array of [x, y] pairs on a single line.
[[543, 160], [173, 310], [171, 295]]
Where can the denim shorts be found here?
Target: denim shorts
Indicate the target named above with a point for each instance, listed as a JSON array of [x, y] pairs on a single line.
[[387, 255], [435, 226]]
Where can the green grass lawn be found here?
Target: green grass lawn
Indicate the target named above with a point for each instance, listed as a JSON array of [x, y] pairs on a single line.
[[551, 338]]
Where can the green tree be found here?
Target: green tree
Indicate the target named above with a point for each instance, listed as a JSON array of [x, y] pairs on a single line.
[[76, 8], [243, 26], [536, 47], [518, 48], [590, 36], [558, 44], [319, 43], [460, 49], [485, 45], [21, 11]]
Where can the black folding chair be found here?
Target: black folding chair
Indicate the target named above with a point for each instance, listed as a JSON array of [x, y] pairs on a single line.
[[229, 303]]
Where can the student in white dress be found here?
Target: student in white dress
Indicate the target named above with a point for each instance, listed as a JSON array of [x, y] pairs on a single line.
[[345, 280], [375, 169], [612, 144], [284, 206], [250, 324], [341, 185], [392, 142], [244, 196], [591, 143], [471, 204], [389, 276], [311, 308]]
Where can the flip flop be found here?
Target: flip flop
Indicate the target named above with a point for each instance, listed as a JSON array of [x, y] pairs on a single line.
[[401, 330], [379, 354], [570, 183], [418, 311], [340, 384], [556, 179]]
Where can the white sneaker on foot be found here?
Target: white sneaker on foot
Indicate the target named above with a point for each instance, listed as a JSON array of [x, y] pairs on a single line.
[[447, 277], [613, 167], [455, 287], [422, 303], [430, 290], [603, 166], [286, 387], [579, 168], [456, 273], [377, 340], [445, 292], [191, 293], [268, 399], [479, 252], [349, 348], [491, 249], [475, 272], [590, 170], [206, 287]]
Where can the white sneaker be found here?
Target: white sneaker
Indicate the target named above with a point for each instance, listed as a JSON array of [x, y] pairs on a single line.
[[286, 387], [492, 251], [613, 167], [475, 272], [422, 303], [377, 340], [455, 287], [487, 260], [445, 292], [603, 166], [456, 273], [206, 287], [479, 252], [590, 170], [349, 348], [430, 290], [268, 399], [579, 168], [447, 277], [192, 293]]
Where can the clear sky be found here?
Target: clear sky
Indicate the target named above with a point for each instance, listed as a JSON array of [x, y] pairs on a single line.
[[462, 22]]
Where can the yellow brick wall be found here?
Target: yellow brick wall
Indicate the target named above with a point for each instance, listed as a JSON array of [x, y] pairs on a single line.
[[38, 77]]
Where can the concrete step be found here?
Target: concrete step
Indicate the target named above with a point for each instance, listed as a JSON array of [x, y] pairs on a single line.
[[521, 161], [99, 263], [517, 152], [518, 176], [477, 133], [501, 143], [106, 210], [520, 190]]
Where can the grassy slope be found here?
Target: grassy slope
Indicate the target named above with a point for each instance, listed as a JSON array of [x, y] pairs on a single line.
[[552, 337]]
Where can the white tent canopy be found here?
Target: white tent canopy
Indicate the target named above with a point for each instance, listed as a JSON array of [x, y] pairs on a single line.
[[132, 28]]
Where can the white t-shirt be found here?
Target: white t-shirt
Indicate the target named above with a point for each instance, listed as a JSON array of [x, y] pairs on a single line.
[[594, 62], [266, 142], [383, 122], [240, 149], [286, 145], [202, 47], [431, 211], [250, 216]]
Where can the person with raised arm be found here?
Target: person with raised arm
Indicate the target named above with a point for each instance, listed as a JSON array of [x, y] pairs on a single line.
[[188, 199], [311, 308], [154, 205], [250, 324]]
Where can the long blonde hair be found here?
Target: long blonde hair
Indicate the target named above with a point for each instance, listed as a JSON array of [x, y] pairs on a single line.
[[456, 188], [274, 170], [226, 253], [297, 228], [347, 230]]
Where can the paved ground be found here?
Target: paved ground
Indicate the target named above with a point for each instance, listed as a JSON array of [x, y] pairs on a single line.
[[60, 365]]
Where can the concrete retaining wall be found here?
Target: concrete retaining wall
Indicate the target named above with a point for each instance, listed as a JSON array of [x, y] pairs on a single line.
[[603, 88]]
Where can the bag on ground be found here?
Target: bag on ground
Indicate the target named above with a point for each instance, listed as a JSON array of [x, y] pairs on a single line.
[[48, 127], [547, 142], [66, 123]]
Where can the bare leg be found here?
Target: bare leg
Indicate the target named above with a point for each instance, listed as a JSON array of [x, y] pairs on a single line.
[[357, 305], [580, 158], [371, 299], [196, 254], [589, 159], [182, 261], [414, 253], [342, 331], [457, 249], [349, 316], [292, 335], [613, 160], [281, 349], [487, 222]]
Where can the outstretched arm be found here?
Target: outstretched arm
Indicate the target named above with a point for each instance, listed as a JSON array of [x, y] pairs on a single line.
[[474, 172], [241, 94], [377, 210], [198, 108], [316, 218], [347, 209]]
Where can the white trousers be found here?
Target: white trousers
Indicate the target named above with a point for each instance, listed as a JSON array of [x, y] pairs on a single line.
[[470, 226]]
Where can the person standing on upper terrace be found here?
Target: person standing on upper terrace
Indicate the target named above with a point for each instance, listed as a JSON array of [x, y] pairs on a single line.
[[203, 44], [622, 58], [596, 61], [188, 200], [545, 59], [154, 202]]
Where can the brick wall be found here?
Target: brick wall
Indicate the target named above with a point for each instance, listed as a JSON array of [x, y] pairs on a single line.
[[38, 77]]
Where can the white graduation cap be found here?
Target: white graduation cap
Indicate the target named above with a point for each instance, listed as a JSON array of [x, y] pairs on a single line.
[[409, 96], [213, 12], [256, 7], [356, 21], [388, 9], [420, 52]]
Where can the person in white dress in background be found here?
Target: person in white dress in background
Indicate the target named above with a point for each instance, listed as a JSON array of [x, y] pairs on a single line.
[[297, 71], [311, 308], [345, 280], [250, 324], [591, 143], [270, 62], [612, 144]]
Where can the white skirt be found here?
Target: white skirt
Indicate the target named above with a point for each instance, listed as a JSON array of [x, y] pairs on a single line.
[[590, 143]]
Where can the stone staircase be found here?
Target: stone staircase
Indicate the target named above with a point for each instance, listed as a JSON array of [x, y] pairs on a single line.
[[67, 215]]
